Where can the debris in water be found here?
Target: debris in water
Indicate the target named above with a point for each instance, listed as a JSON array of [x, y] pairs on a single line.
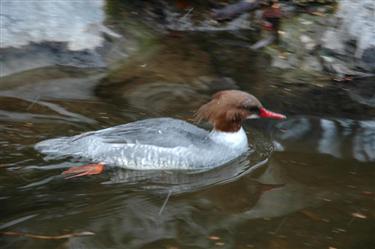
[[367, 193], [359, 215], [165, 202], [311, 215], [172, 247], [46, 237], [213, 237]]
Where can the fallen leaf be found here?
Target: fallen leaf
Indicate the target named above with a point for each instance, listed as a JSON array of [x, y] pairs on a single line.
[[317, 13], [213, 237], [367, 193], [359, 215]]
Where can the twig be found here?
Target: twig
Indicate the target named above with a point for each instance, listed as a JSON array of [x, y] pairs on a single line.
[[46, 237], [33, 103], [187, 13], [165, 202], [279, 226]]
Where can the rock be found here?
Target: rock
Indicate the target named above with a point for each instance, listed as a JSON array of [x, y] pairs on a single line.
[[340, 69], [284, 63], [355, 31], [189, 22], [77, 23], [332, 41], [368, 58], [311, 63], [358, 22], [232, 10], [308, 42], [45, 33]]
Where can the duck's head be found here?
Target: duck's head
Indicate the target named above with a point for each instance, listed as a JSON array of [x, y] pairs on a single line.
[[228, 109]]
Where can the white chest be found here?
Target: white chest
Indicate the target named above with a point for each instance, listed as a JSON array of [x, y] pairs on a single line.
[[233, 140]]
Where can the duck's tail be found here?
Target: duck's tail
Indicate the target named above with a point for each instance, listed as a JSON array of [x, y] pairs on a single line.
[[55, 148]]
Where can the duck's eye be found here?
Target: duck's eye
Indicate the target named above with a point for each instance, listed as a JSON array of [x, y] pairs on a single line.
[[254, 109]]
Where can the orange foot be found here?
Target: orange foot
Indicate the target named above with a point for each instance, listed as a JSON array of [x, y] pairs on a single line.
[[84, 170]]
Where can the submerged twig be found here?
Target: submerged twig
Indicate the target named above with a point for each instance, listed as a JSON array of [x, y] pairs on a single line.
[[187, 13], [46, 237], [33, 102], [279, 226], [165, 202]]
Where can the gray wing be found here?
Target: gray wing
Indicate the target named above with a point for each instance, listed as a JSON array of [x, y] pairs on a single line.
[[163, 132]]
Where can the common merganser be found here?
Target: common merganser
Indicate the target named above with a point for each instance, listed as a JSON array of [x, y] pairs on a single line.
[[165, 143]]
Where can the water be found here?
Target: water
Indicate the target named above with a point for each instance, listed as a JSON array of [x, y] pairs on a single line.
[[308, 184]]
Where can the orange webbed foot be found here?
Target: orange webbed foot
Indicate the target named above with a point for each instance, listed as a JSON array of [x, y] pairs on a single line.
[[84, 170]]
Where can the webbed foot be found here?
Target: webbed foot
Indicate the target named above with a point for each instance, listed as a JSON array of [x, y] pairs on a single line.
[[84, 170]]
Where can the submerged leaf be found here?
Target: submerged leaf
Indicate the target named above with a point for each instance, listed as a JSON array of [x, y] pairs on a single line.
[[359, 215]]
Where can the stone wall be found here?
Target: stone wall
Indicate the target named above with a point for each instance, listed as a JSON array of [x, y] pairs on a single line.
[[44, 33]]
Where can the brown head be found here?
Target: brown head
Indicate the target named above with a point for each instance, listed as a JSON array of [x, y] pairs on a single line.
[[228, 109]]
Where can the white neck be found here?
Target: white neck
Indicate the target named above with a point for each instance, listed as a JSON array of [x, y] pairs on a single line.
[[230, 139]]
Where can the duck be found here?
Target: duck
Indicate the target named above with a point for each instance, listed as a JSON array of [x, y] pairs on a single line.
[[165, 143]]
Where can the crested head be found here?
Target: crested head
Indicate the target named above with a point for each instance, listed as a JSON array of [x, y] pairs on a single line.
[[228, 109]]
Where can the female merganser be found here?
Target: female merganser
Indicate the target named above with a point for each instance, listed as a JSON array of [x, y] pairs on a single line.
[[165, 143]]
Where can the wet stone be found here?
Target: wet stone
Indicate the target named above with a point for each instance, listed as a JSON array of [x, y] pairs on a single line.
[[368, 58]]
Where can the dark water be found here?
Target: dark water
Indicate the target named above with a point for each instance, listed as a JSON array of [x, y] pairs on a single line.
[[308, 184]]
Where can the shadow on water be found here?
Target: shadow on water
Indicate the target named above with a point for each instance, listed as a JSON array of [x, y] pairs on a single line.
[[307, 183]]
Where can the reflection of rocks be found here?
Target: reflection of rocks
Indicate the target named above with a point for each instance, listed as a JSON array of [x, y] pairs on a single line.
[[30, 96], [39, 34], [51, 83], [158, 96], [133, 219], [341, 138], [170, 74], [282, 197]]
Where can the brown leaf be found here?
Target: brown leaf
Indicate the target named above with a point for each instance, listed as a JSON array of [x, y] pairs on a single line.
[[213, 237], [359, 215], [368, 193], [317, 13]]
